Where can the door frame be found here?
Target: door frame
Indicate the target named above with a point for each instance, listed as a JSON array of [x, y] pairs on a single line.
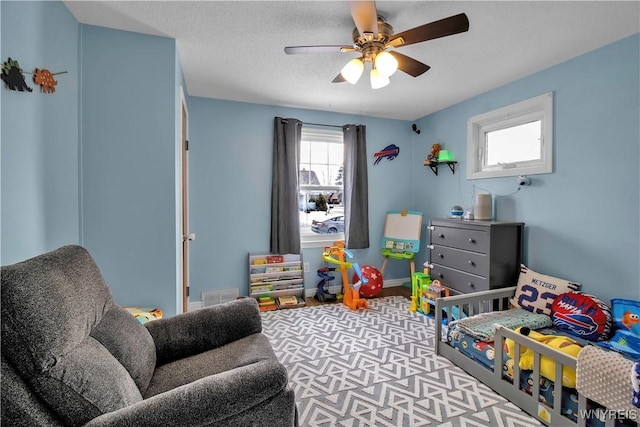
[[184, 201]]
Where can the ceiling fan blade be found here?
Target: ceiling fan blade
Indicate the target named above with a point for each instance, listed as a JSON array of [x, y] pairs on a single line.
[[433, 30], [339, 79], [409, 65], [318, 49], [365, 16]]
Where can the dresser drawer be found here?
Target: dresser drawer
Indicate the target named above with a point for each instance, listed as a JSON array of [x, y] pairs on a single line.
[[461, 238], [459, 280], [471, 262]]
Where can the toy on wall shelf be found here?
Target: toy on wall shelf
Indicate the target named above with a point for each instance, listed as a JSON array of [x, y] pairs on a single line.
[[337, 254], [432, 157], [13, 77]]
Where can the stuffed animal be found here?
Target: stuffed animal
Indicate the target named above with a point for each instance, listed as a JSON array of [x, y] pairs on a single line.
[[432, 157], [547, 365]]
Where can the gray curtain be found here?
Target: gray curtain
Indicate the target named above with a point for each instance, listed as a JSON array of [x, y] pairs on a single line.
[[356, 187], [285, 220]]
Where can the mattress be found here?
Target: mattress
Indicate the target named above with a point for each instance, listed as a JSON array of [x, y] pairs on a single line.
[[483, 353]]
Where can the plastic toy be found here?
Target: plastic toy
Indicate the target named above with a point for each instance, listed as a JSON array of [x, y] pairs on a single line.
[[434, 153], [547, 365], [374, 281], [336, 255], [401, 238], [322, 294], [424, 293]]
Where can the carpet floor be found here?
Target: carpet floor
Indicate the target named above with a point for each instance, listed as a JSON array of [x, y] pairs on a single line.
[[377, 367]]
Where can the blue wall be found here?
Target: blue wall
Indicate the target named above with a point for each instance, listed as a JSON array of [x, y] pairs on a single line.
[[39, 132], [230, 155], [96, 163], [582, 221], [128, 163]]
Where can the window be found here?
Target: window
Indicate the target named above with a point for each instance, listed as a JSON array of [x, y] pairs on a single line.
[[513, 140], [321, 186]]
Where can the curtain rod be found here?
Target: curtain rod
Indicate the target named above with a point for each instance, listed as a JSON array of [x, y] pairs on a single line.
[[317, 124], [320, 124]]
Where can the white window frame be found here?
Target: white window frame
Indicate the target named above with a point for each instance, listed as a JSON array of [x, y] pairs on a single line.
[[538, 108], [313, 134]]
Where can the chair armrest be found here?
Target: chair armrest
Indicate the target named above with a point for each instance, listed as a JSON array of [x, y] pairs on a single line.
[[198, 331], [207, 401]]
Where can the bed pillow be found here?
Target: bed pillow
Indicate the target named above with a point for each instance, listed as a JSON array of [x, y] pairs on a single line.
[[626, 315], [582, 315], [536, 292], [626, 321]]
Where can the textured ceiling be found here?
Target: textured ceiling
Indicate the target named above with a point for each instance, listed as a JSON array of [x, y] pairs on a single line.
[[233, 50]]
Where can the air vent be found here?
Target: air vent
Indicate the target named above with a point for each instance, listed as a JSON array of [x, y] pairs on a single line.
[[218, 297]]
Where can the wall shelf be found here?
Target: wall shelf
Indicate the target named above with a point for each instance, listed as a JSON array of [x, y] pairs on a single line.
[[434, 166]]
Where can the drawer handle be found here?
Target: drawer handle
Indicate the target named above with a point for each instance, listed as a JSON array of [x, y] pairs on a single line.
[[472, 241], [471, 285], [441, 275], [441, 235], [472, 264], [441, 256]]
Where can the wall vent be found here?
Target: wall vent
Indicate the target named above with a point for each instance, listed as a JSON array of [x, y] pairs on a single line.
[[218, 297]]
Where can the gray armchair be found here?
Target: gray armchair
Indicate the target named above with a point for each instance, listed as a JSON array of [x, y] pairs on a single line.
[[72, 357]]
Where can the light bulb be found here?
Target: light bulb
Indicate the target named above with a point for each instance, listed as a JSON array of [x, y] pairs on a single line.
[[386, 63], [353, 70], [378, 80]]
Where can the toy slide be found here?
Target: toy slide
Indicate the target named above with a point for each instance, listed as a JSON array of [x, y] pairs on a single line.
[[336, 255]]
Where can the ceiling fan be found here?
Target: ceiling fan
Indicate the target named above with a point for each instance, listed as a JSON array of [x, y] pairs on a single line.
[[372, 38]]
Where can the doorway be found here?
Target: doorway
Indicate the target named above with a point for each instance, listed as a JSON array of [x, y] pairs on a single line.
[[184, 184]]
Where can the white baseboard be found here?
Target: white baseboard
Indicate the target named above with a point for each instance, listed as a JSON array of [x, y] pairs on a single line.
[[388, 283]]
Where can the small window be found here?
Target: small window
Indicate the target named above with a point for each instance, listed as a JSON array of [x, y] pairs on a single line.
[[320, 197], [513, 140]]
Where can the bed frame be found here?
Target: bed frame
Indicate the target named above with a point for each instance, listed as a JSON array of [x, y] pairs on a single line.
[[497, 299]]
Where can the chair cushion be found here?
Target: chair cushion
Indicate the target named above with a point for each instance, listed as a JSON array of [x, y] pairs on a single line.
[[129, 342], [50, 304], [242, 352], [85, 383]]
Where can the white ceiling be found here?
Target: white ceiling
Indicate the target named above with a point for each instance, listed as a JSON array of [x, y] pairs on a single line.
[[233, 50]]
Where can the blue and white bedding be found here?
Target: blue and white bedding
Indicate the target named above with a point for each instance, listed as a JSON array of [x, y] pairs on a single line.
[[481, 326]]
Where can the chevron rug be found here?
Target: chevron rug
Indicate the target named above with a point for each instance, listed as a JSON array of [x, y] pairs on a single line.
[[377, 367]]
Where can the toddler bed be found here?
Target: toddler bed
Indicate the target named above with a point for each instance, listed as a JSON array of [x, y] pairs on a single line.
[[528, 389]]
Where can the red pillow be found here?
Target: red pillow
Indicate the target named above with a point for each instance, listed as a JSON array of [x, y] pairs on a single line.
[[582, 315]]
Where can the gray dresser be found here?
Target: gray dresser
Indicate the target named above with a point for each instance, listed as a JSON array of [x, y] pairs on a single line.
[[471, 256]]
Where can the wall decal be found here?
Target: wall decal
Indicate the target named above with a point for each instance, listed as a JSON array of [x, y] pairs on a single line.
[[13, 77], [45, 79], [390, 152]]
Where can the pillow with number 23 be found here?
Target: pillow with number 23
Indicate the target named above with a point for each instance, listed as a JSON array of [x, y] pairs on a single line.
[[536, 292]]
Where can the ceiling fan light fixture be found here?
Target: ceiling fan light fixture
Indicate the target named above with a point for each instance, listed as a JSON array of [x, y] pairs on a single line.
[[386, 64], [353, 70], [378, 80]]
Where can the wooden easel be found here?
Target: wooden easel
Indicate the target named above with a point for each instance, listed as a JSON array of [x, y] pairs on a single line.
[[401, 239]]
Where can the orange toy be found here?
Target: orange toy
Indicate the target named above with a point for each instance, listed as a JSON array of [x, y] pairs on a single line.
[[336, 255]]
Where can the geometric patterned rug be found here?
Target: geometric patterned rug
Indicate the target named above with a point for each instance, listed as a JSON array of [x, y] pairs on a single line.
[[377, 367]]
